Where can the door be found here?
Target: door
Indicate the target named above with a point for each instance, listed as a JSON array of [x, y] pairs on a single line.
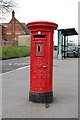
[[41, 70]]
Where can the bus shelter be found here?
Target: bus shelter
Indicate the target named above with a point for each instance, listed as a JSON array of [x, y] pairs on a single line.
[[63, 41]]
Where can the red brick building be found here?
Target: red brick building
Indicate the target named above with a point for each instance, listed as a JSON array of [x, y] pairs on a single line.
[[11, 30], [0, 33]]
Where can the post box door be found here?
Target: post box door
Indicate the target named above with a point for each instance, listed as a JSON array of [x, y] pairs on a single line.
[[41, 67]]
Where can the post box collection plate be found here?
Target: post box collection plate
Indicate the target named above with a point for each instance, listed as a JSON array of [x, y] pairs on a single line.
[[41, 61]]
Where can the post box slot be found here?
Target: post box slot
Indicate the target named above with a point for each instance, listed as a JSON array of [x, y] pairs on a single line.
[[39, 49], [39, 36]]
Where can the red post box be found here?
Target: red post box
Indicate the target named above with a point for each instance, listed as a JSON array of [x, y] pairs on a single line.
[[41, 61]]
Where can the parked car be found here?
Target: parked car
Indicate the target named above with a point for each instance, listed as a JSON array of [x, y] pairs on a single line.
[[72, 52], [78, 51]]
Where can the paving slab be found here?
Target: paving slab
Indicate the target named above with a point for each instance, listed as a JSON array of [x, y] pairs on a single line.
[[15, 93]]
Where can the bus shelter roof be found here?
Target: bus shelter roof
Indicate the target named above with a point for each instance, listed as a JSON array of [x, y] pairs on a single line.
[[68, 32]]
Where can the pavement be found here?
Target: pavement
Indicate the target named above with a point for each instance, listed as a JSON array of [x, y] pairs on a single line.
[[15, 95]]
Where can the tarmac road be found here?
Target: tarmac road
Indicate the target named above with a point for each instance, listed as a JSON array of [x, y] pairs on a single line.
[[15, 87], [12, 64]]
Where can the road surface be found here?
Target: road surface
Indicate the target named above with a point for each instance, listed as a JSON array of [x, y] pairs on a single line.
[[12, 64]]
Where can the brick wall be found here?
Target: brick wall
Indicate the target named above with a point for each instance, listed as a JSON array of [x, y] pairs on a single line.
[[12, 30], [0, 33]]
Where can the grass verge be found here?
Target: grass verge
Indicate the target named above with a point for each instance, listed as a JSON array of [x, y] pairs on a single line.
[[8, 52]]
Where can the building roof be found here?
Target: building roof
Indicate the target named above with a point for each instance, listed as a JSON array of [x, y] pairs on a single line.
[[23, 25], [68, 32]]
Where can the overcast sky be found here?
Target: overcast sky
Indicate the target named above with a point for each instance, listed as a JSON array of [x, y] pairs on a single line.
[[62, 12]]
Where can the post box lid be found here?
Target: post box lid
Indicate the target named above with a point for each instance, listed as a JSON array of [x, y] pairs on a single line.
[[42, 24]]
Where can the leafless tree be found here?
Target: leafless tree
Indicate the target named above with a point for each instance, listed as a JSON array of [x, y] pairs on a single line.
[[5, 7]]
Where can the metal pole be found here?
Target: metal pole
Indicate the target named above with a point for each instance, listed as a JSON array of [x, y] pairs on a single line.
[[60, 45], [67, 46], [64, 45]]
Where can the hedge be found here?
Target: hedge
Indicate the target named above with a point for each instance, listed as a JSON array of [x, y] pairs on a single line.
[[8, 52]]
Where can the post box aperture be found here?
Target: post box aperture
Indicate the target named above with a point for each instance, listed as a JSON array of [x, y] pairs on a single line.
[[41, 61], [39, 49]]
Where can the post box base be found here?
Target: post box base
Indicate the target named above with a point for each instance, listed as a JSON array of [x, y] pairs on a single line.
[[41, 97]]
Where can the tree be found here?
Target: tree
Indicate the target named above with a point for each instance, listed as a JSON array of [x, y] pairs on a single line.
[[5, 7]]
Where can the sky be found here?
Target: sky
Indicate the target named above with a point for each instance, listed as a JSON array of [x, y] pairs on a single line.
[[62, 12]]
